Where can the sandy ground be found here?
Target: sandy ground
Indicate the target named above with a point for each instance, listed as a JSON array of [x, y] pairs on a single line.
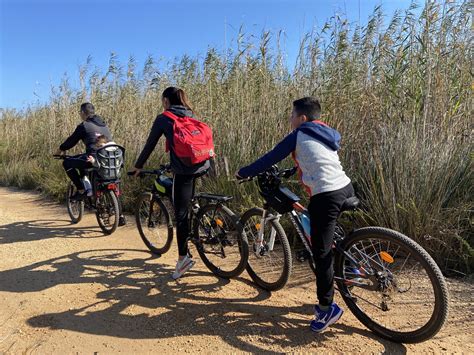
[[69, 289]]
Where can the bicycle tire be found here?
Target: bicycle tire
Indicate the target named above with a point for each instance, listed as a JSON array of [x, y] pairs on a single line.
[[257, 275], [112, 202], [75, 209], [438, 283], [216, 237], [145, 225]]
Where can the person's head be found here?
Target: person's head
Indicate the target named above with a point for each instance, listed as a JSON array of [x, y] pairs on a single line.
[[174, 96], [101, 141], [87, 110], [306, 109]]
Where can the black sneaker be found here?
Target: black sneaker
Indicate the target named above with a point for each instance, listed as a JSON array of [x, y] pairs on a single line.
[[122, 221], [78, 196]]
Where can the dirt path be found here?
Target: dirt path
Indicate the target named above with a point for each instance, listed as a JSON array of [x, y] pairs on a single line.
[[69, 289]]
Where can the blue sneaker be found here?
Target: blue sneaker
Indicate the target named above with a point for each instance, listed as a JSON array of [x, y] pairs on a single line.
[[323, 319]]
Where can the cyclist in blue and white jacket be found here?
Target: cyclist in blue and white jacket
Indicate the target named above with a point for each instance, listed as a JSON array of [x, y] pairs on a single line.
[[314, 145]]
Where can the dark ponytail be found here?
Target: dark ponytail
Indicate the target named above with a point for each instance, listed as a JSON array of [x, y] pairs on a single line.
[[176, 96]]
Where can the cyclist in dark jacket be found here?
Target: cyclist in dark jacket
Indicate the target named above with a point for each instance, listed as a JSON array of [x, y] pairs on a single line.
[[175, 101], [88, 131]]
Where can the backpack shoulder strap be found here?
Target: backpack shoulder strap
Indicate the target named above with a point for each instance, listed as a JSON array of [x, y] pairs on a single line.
[[170, 115]]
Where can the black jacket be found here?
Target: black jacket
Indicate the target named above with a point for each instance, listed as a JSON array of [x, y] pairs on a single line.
[[164, 125], [87, 132]]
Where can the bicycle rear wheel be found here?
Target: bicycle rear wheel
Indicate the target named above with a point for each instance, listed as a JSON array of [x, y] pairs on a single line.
[[392, 285], [220, 241], [107, 211], [270, 260], [153, 223], [75, 209]]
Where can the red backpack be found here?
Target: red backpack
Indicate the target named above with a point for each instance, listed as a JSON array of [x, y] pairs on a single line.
[[192, 139]]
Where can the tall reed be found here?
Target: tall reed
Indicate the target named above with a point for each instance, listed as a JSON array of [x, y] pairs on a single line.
[[400, 94]]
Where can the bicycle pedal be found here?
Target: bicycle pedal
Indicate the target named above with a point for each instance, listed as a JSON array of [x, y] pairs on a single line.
[[302, 255]]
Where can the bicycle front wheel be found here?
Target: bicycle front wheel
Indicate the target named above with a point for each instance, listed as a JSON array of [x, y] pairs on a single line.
[[392, 285], [75, 209], [153, 223], [107, 211], [270, 259], [220, 241]]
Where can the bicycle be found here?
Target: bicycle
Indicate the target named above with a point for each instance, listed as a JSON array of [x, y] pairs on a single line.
[[105, 182], [215, 229], [388, 281]]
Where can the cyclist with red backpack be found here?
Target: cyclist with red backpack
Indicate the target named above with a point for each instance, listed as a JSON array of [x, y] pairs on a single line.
[[189, 143]]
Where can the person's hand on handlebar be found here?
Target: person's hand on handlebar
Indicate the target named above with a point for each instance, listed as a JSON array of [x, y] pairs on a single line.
[[289, 172], [60, 152], [237, 176], [240, 179], [135, 172]]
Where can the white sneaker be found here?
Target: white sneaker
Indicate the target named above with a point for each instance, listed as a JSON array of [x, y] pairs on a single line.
[[182, 266]]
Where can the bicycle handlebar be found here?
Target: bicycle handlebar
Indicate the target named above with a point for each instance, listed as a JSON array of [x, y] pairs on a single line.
[[163, 169], [286, 173], [59, 157]]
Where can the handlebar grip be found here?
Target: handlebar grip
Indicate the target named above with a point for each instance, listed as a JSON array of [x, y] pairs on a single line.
[[59, 156], [247, 179]]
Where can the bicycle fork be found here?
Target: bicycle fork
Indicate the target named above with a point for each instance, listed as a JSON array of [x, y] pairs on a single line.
[[260, 246]]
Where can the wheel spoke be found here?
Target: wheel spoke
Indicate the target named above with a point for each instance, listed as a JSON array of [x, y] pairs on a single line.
[[152, 223], [401, 296], [218, 240]]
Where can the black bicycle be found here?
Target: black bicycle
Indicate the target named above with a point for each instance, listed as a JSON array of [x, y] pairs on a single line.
[[388, 281], [216, 230], [105, 183]]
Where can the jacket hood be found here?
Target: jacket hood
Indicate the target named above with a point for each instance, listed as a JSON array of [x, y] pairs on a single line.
[[323, 133], [180, 111], [97, 120]]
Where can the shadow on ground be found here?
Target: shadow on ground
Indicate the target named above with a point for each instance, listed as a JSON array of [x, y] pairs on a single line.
[[140, 301], [27, 231]]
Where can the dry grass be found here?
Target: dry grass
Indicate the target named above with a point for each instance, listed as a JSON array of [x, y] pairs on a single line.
[[400, 94]]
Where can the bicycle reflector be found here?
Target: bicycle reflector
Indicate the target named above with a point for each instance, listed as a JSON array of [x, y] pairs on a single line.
[[219, 222], [111, 186], [257, 226], [298, 207], [386, 257]]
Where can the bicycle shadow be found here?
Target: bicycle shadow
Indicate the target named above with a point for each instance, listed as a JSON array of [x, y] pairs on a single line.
[[142, 302], [27, 231]]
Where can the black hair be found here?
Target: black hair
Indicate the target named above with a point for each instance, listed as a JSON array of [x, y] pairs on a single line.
[[308, 106], [176, 96], [88, 109]]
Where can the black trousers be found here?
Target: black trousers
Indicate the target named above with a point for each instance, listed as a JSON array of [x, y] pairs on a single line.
[[324, 208], [183, 192], [75, 167]]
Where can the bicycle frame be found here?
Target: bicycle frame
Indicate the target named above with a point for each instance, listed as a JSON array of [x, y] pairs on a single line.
[[160, 192], [304, 237], [98, 185]]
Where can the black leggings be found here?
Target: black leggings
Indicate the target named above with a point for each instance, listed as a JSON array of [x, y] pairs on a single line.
[[183, 192], [324, 208], [74, 167]]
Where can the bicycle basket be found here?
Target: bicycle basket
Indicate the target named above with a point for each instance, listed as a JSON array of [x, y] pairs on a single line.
[[110, 159], [280, 199]]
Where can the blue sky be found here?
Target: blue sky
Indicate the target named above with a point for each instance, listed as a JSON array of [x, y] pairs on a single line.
[[40, 40]]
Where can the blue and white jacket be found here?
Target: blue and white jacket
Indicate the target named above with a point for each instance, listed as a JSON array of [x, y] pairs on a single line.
[[314, 147]]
